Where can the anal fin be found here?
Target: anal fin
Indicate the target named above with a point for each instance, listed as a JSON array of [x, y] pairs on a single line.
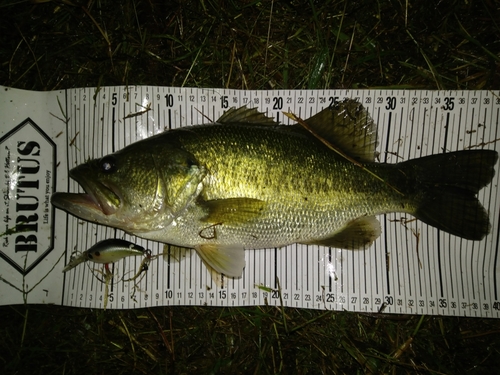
[[357, 235]]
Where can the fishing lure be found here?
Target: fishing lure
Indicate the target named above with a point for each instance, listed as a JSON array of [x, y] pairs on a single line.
[[107, 251]]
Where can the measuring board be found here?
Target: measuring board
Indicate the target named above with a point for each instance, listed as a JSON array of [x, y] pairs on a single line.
[[411, 269]]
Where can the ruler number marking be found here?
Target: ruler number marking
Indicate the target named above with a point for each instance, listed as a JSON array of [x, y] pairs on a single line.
[[449, 103], [391, 103], [333, 100], [169, 100], [278, 103], [224, 102]]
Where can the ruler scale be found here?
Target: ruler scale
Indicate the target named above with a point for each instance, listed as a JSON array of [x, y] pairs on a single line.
[[412, 268]]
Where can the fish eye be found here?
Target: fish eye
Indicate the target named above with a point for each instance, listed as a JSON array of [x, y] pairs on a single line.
[[108, 164]]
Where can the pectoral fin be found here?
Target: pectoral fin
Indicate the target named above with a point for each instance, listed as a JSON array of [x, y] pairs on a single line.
[[233, 210], [228, 260], [356, 235]]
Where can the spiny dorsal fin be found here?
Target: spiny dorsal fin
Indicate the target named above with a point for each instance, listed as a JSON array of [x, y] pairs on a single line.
[[348, 126], [244, 115]]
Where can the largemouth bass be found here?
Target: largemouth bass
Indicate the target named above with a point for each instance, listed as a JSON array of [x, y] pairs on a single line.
[[245, 182]]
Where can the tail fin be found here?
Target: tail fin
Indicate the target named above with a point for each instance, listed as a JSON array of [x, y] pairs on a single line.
[[448, 184]]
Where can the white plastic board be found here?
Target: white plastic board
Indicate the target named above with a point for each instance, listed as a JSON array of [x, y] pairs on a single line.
[[412, 268]]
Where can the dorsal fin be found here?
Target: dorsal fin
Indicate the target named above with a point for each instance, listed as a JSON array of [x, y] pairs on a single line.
[[244, 115], [348, 126]]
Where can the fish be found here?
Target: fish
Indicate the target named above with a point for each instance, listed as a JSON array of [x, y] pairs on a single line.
[[246, 182], [107, 251]]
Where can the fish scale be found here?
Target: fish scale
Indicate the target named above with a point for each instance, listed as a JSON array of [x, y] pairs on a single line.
[[297, 189]]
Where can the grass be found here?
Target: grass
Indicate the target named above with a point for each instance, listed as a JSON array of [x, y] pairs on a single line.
[[48, 45], [251, 340]]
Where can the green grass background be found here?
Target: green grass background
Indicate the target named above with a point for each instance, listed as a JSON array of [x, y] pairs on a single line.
[[415, 44]]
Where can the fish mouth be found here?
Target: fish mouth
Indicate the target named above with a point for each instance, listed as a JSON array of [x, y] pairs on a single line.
[[98, 201]]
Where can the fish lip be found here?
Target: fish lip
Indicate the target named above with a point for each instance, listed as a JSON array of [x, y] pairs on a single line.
[[97, 192], [98, 197], [100, 200]]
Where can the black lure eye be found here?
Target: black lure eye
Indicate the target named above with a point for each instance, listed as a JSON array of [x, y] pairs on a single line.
[[108, 164]]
